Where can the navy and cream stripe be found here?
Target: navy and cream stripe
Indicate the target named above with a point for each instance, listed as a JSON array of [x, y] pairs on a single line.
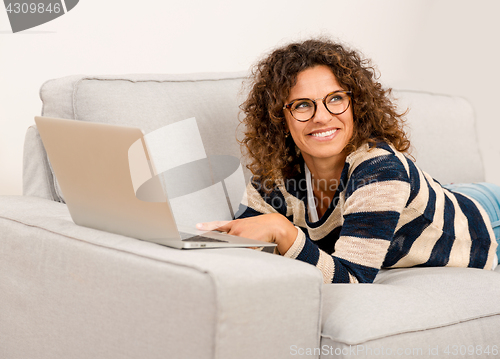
[[387, 213]]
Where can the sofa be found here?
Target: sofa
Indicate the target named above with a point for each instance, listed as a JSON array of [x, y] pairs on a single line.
[[68, 291]]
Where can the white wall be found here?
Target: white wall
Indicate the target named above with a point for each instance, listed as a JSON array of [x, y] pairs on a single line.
[[444, 46]]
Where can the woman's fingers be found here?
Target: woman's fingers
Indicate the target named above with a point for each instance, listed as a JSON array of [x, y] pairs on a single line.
[[212, 226], [271, 227]]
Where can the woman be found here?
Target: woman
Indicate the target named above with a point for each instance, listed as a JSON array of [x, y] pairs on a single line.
[[332, 184]]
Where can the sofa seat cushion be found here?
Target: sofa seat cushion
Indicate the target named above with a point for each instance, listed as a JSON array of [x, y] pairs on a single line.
[[410, 309]]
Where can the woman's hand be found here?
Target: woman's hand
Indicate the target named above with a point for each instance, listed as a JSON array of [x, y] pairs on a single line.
[[272, 227]]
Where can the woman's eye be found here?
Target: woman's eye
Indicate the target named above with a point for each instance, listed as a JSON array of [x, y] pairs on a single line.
[[335, 98], [302, 105]]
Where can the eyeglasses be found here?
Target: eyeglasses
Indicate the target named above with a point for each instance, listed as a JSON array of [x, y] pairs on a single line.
[[303, 109]]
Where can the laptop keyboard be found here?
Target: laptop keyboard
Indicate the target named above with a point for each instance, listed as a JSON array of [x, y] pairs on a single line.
[[186, 237]]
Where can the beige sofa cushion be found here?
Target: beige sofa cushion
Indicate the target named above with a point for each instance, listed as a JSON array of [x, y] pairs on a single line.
[[151, 102], [410, 312]]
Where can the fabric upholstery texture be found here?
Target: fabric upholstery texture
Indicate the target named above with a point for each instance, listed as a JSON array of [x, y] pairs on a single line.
[[151, 102], [76, 292], [413, 308], [450, 158], [38, 178]]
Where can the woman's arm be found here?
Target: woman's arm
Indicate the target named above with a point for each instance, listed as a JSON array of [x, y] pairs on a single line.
[[375, 196]]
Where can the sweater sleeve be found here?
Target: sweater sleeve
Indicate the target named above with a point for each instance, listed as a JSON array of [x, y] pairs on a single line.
[[256, 201], [376, 193]]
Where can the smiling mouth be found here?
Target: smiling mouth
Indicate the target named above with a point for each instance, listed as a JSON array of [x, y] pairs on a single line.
[[324, 133]]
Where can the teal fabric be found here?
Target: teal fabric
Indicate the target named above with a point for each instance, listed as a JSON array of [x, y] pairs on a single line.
[[488, 196]]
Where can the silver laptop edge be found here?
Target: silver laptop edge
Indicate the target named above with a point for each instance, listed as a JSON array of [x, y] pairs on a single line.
[[91, 164]]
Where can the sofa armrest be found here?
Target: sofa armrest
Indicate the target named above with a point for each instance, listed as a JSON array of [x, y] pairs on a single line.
[[73, 292]]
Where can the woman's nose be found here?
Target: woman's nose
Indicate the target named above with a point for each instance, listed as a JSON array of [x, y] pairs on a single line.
[[322, 114]]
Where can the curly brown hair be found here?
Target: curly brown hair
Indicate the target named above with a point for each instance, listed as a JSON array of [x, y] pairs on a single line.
[[273, 155]]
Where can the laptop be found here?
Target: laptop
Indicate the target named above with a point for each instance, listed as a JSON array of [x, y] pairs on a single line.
[[92, 165]]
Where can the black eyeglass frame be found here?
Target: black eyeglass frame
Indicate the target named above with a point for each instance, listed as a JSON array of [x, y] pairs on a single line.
[[289, 105]]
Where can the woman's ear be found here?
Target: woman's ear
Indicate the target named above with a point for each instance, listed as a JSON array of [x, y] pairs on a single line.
[[287, 130]]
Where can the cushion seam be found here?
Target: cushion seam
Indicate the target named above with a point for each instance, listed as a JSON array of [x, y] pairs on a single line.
[[104, 78], [411, 331]]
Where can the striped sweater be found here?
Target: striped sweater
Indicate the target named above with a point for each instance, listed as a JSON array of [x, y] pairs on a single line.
[[386, 213]]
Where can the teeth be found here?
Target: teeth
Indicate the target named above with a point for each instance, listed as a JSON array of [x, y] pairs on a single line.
[[324, 134]]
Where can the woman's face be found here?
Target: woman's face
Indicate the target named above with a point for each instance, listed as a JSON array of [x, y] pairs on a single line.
[[325, 135]]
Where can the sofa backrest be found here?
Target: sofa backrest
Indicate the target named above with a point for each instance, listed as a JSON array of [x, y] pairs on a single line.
[[145, 101], [442, 128]]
